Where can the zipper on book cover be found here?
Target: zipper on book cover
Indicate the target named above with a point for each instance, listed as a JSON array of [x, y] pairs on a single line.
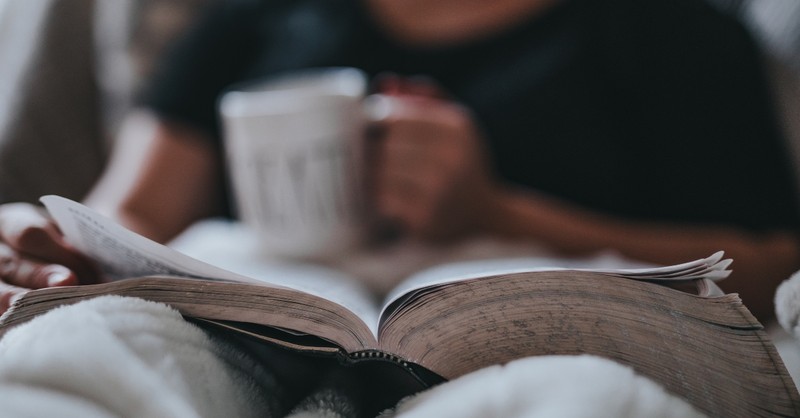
[[380, 355], [424, 376]]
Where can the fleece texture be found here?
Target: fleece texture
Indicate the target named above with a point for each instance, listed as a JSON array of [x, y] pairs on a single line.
[[126, 357], [787, 304], [548, 386]]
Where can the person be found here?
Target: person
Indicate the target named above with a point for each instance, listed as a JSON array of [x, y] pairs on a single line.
[[584, 125]]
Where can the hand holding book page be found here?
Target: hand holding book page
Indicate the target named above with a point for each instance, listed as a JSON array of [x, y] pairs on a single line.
[[124, 254]]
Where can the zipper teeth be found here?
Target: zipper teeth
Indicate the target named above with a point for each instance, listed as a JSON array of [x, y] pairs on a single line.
[[362, 355]]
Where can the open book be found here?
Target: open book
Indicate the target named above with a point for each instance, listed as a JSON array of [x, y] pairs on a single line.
[[443, 323]]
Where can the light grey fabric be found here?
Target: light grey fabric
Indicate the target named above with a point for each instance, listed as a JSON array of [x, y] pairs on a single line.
[[69, 71], [777, 25], [130, 37], [125, 357], [50, 142], [19, 30]]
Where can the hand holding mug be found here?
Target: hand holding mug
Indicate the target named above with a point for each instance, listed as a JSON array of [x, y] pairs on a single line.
[[431, 173]]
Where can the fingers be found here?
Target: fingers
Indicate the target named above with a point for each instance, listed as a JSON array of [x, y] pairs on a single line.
[[23, 272], [409, 206], [414, 86], [410, 183], [427, 151], [386, 109], [18, 275], [28, 232]]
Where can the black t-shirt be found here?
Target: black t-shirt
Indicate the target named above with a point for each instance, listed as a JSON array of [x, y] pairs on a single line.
[[653, 110]]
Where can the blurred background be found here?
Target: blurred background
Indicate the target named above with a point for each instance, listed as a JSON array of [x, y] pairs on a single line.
[[70, 69]]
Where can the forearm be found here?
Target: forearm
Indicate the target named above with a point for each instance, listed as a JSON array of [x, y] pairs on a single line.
[[761, 260], [161, 179]]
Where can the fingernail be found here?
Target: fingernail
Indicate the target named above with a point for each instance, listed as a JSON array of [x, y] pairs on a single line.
[[58, 277]]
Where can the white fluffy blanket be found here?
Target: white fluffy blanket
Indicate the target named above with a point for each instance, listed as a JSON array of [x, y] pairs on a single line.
[[787, 305], [123, 357]]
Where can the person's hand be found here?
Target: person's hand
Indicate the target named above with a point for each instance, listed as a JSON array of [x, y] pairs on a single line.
[[34, 255], [430, 169]]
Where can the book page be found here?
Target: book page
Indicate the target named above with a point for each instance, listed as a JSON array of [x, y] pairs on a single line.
[[122, 253], [316, 280], [712, 267], [234, 247]]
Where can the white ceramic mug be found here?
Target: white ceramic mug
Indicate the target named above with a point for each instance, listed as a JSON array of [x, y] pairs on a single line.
[[295, 150]]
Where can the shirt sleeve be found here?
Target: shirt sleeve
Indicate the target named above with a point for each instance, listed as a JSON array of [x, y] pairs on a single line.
[[213, 54]]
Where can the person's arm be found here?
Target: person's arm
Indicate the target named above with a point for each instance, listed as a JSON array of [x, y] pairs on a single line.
[[432, 178], [761, 260], [162, 178]]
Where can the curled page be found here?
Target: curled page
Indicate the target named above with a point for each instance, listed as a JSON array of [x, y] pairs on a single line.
[[713, 268], [122, 253]]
